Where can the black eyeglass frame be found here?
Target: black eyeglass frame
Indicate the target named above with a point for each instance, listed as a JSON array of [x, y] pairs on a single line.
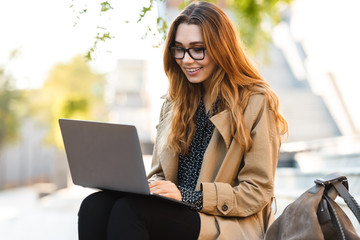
[[172, 51]]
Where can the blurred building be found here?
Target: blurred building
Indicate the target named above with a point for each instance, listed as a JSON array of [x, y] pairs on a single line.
[[317, 94], [129, 100], [317, 91], [30, 161]]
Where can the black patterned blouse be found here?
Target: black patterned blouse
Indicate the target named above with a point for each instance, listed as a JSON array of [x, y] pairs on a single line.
[[190, 164]]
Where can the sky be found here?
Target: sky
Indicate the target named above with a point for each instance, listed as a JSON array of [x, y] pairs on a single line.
[[44, 34]]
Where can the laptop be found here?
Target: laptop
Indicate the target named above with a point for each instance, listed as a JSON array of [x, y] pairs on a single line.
[[106, 156]]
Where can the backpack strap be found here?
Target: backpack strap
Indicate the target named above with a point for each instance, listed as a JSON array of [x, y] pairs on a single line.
[[348, 198], [340, 184], [334, 218], [332, 178]]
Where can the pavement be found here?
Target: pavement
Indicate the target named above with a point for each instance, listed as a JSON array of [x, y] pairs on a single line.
[[25, 214]]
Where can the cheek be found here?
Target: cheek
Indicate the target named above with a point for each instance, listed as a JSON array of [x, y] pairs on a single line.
[[178, 61], [211, 66], [179, 64], [208, 62]]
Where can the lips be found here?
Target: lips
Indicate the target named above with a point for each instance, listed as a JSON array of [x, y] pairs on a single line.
[[192, 71]]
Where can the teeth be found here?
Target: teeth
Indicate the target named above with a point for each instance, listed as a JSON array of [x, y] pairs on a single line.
[[193, 69]]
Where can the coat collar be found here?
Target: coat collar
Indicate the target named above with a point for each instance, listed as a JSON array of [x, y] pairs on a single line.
[[170, 160], [222, 123]]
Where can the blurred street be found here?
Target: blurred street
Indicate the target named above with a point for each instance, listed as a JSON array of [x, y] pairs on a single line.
[[23, 215]]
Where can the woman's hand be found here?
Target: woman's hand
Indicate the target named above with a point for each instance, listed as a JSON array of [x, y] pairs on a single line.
[[166, 189]]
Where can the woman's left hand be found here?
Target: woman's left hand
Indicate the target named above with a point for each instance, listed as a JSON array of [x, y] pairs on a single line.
[[166, 189]]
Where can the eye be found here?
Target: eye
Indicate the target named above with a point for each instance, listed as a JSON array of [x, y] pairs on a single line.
[[198, 50], [178, 49]]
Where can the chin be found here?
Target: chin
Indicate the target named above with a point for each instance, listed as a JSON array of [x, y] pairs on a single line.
[[195, 80]]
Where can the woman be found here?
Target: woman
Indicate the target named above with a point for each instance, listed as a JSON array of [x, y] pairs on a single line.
[[217, 144]]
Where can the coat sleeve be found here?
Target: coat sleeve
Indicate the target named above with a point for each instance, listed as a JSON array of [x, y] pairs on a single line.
[[156, 172], [255, 178]]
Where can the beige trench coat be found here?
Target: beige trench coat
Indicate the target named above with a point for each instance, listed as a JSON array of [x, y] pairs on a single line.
[[238, 187]]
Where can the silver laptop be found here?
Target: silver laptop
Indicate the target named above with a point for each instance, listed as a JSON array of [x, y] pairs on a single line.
[[105, 156]]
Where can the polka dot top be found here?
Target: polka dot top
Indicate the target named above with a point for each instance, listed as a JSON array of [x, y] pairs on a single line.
[[190, 164]]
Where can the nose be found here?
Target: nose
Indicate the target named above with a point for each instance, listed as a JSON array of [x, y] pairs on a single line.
[[187, 58]]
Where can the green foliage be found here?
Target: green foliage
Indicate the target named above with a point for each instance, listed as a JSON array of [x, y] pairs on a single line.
[[72, 90], [105, 6], [8, 122], [160, 23], [145, 10], [102, 35], [254, 19], [9, 103]]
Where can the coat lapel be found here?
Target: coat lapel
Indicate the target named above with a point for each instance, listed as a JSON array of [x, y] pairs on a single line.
[[222, 124], [222, 131], [218, 145]]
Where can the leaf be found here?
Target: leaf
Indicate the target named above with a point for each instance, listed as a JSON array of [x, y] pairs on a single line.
[[105, 6]]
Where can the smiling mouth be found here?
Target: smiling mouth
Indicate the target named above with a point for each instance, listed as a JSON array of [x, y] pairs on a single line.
[[193, 69]]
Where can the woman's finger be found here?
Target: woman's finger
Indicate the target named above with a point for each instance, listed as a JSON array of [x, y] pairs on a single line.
[[165, 188]]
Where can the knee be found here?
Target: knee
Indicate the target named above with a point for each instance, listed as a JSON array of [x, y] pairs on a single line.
[[89, 202], [93, 203], [126, 206], [124, 203]]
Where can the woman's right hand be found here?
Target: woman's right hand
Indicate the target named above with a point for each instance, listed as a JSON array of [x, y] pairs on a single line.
[[166, 189]]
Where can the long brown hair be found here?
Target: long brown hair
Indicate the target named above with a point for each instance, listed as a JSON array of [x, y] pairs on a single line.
[[235, 78]]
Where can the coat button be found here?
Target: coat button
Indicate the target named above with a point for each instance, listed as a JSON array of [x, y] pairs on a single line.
[[224, 207]]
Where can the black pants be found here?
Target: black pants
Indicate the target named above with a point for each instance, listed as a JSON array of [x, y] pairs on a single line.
[[116, 215]]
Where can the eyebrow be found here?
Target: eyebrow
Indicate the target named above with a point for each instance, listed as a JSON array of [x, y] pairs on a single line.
[[192, 43]]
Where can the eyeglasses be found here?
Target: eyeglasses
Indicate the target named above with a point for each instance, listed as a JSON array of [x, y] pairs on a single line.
[[194, 53]]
